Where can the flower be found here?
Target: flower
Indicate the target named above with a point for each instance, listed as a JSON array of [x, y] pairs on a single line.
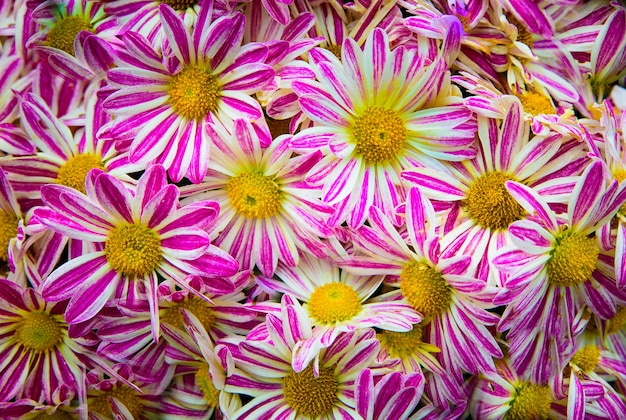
[[556, 269], [370, 127], [139, 236], [267, 212], [164, 102], [393, 397]]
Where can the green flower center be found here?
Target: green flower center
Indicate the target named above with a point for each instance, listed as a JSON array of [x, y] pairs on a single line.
[[74, 171], [39, 332], [133, 250], [573, 259], [425, 288], [194, 93], [254, 195], [334, 302], [64, 31], [308, 396], [489, 203], [530, 402], [379, 134]]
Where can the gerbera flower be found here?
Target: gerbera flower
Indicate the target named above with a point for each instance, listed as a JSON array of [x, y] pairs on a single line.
[[438, 287], [370, 127], [556, 269], [263, 370], [336, 301], [76, 37], [140, 235], [164, 103], [267, 212], [482, 209], [38, 359]]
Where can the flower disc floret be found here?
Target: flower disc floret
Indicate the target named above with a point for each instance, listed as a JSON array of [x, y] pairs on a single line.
[[530, 401], [133, 250], [57, 415], [379, 134], [334, 302], [8, 230], [536, 103], [309, 396], [489, 203], [194, 92], [63, 33], [617, 321], [127, 396], [39, 332], [173, 315], [205, 383], [75, 170], [586, 358], [254, 195], [402, 344], [425, 288], [573, 259], [180, 5]]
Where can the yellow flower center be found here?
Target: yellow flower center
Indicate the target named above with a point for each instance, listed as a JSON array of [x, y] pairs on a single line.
[[61, 36], [335, 49], [530, 402], [57, 415], [173, 316], [125, 395], [254, 195], [334, 302], [586, 358], [39, 332], [573, 259], [204, 381], [180, 4], [8, 231], [618, 321], [536, 103], [309, 396], [133, 250], [489, 204], [379, 135], [194, 92], [425, 288], [401, 344], [523, 34], [74, 171]]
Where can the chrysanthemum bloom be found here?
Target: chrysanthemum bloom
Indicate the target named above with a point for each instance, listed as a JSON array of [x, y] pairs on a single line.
[[395, 396], [503, 394], [38, 359], [481, 208], [370, 126], [138, 236], [336, 301], [267, 212], [164, 103], [557, 269], [614, 330], [76, 37], [263, 370], [438, 287]]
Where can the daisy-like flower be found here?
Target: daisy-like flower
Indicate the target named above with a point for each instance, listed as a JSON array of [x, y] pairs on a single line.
[[395, 396], [76, 37], [140, 235], [263, 370], [557, 267], [38, 359], [436, 286], [481, 208], [370, 126], [267, 212], [336, 301], [164, 103]]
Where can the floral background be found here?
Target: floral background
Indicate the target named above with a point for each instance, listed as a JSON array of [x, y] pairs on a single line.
[[281, 209]]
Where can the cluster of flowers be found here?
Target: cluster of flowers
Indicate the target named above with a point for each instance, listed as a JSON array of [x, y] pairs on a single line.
[[280, 209]]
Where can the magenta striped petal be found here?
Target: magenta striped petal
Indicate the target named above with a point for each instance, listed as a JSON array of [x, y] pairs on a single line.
[[176, 33], [67, 226], [63, 282], [435, 185], [133, 100], [186, 243], [586, 193], [339, 87], [341, 182], [238, 105], [225, 34], [532, 203], [249, 78], [151, 182], [324, 111], [530, 15], [609, 48], [576, 398], [278, 10], [620, 256], [44, 129], [536, 240], [114, 197], [153, 138], [130, 76], [91, 296]]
